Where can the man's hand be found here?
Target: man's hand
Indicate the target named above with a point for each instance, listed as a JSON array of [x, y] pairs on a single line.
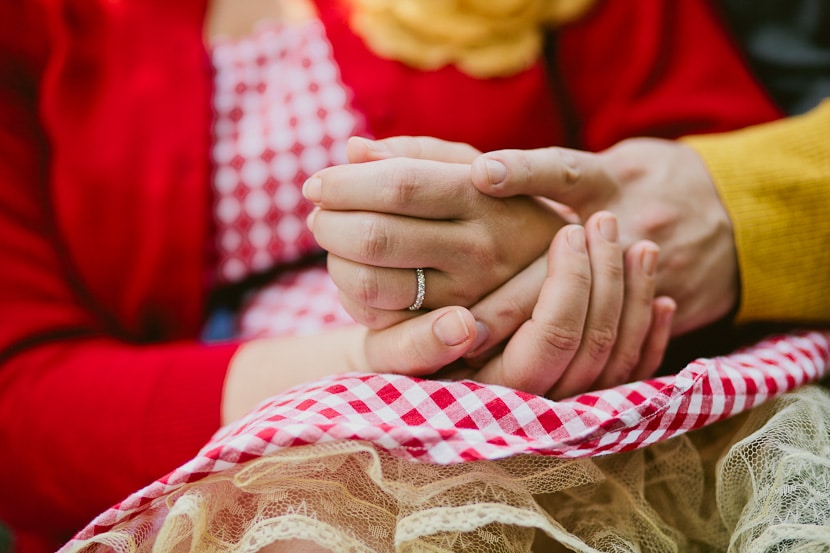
[[659, 190], [596, 323]]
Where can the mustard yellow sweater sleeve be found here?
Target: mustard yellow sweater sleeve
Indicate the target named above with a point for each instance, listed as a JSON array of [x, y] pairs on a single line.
[[774, 180]]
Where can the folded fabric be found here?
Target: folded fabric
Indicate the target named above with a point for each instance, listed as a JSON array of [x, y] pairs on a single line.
[[455, 422]]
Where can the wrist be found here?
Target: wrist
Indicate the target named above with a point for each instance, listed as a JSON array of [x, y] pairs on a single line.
[[264, 367]]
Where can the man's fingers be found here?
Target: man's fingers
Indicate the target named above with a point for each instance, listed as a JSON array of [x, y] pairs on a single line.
[[657, 342], [359, 150], [508, 307], [540, 351], [636, 319], [571, 177], [604, 308], [422, 345]]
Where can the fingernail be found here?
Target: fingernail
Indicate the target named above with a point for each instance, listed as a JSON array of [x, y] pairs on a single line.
[[482, 334], [608, 228], [375, 147], [496, 171], [313, 189], [451, 328], [649, 260], [576, 238], [309, 220], [668, 315]]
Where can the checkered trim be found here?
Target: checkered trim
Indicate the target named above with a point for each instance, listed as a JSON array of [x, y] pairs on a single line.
[[453, 422]]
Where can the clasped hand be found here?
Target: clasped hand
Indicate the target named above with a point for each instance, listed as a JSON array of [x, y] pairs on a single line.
[[381, 220], [580, 312]]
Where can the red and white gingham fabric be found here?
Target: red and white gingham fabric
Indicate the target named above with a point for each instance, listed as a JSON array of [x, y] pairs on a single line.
[[298, 302], [453, 422], [281, 114]]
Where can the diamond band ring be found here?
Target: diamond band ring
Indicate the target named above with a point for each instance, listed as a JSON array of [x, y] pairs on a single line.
[[422, 290]]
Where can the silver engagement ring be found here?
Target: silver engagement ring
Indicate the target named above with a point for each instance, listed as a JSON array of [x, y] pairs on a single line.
[[422, 290]]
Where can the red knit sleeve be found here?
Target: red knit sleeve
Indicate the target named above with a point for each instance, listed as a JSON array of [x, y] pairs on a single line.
[[85, 418], [660, 68]]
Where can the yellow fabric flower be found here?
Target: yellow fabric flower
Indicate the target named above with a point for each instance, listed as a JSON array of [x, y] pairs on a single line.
[[483, 38]]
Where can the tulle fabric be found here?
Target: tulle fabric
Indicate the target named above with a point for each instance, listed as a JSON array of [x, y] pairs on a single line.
[[756, 482]]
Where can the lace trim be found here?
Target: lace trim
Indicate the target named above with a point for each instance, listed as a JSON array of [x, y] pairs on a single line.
[[757, 482]]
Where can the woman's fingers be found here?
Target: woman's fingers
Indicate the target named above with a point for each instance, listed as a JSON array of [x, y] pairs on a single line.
[[379, 297], [575, 178], [373, 256], [359, 150], [393, 289], [392, 241], [541, 349], [413, 187], [422, 345]]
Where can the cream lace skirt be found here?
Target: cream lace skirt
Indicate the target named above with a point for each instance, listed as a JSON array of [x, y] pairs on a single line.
[[758, 482]]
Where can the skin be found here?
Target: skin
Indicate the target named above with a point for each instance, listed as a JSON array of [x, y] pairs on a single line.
[[587, 319], [422, 345], [417, 347], [599, 327], [660, 190], [595, 323], [379, 220]]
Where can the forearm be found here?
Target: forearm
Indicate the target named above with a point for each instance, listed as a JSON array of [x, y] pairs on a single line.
[[264, 367], [774, 181], [88, 421]]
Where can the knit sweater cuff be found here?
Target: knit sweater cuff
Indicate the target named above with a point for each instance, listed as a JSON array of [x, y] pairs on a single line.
[[774, 180]]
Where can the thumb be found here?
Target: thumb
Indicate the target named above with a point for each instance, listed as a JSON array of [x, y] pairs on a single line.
[[570, 177], [423, 344]]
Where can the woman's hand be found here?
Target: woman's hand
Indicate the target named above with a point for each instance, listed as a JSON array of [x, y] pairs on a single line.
[[410, 204], [416, 347], [595, 324]]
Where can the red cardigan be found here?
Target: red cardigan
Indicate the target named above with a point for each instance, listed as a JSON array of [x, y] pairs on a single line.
[[105, 114]]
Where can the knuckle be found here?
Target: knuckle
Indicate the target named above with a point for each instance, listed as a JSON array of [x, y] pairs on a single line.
[[570, 172], [563, 336], [418, 359], [453, 292], [366, 285], [600, 341], [375, 240], [625, 361], [402, 187], [484, 253], [614, 271], [464, 296], [657, 222], [524, 168], [515, 308], [416, 147], [580, 279], [363, 314]]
